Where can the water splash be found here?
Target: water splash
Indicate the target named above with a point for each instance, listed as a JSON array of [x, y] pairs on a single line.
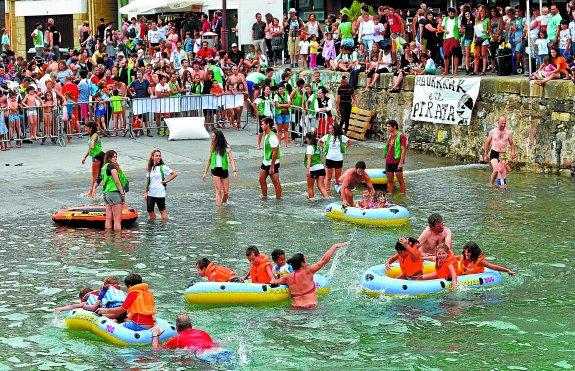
[[339, 253], [57, 321], [242, 352]]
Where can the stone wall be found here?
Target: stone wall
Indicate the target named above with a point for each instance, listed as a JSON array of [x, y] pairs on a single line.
[[542, 120]]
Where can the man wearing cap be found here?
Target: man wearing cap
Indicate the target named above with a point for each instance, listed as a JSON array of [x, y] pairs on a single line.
[[451, 46], [294, 25], [236, 55], [343, 102], [259, 34]]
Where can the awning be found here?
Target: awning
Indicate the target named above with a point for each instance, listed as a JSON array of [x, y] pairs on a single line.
[[157, 6]]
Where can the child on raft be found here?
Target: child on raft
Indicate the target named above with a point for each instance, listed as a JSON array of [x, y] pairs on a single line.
[[445, 266], [473, 261], [215, 272], [109, 296], [139, 305], [260, 266], [300, 283], [281, 268], [410, 259], [372, 202]]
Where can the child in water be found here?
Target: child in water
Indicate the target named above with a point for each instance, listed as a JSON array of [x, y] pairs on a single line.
[[472, 261], [503, 169], [109, 296], [87, 297], [280, 268]]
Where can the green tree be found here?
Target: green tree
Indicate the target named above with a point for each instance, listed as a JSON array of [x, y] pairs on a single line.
[[354, 11]]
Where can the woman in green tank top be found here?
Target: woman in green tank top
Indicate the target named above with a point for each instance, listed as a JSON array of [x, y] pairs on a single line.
[[94, 151], [114, 186], [219, 162]]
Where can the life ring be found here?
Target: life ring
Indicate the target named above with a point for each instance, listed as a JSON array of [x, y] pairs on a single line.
[[382, 217], [112, 331], [91, 216], [230, 293], [376, 281]]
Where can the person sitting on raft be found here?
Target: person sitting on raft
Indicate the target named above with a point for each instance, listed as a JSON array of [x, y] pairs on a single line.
[[109, 296], [87, 297], [215, 272], [260, 266], [281, 268], [410, 259], [365, 200], [187, 337], [445, 266], [139, 305], [300, 283], [472, 261], [350, 178]]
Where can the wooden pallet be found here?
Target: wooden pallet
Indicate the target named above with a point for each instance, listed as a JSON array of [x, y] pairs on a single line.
[[359, 123]]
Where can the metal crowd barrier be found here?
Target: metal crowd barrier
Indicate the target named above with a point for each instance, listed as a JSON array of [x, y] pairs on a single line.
[[40, 123], [218, 110]]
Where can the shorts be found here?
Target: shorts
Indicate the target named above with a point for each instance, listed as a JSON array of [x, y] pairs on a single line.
[[392, 168], [467, 42], [317, 173], [83, 110], [500, 182], [220, 173], [331, 164], [135, 327], [266, 168], [13, 117], [283, 119], [100, 112], [292, 43], [112, 198], [520, 47], [449, 47], [152, 201], [494, 154], [32, 112]]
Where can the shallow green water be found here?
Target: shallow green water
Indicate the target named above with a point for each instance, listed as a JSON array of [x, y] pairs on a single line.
[[526, 323]]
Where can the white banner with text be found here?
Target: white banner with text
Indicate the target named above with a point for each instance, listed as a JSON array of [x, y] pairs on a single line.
[[444, 100]]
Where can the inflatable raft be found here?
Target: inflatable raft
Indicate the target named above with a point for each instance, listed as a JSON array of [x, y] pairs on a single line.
[[384, 217], [378, 176], [91, 216], [376, 281], [112, 331], [229, 293]]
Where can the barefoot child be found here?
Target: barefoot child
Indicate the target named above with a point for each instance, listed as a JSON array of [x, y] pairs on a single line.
[[3, 131], [48, 107], [117, 112], [32, 104], [502, 169], [14, 124], [100, 113]]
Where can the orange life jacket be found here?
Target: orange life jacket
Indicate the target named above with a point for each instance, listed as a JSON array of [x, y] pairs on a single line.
[[144, 303], [408, 266], [258, 271], [223, 274], [443, 270], [470, 267]]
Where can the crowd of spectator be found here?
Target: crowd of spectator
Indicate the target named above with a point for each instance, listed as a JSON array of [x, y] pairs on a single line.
[[151, 58]]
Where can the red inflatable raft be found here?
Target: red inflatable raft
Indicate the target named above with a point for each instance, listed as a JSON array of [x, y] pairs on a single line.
[[91, 216]]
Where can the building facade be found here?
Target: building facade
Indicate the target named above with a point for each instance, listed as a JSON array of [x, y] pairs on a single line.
[[22, 16]]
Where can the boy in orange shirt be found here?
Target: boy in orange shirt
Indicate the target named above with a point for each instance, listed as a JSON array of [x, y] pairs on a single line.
[[215, 272]]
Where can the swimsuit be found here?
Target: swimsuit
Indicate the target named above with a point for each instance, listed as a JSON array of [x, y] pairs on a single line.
[[501, 182], [13, 117], [493, 154], [310, 291]]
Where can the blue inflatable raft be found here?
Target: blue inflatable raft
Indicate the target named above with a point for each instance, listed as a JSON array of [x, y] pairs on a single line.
[[383, 217], [376, 281], [114, 332]]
